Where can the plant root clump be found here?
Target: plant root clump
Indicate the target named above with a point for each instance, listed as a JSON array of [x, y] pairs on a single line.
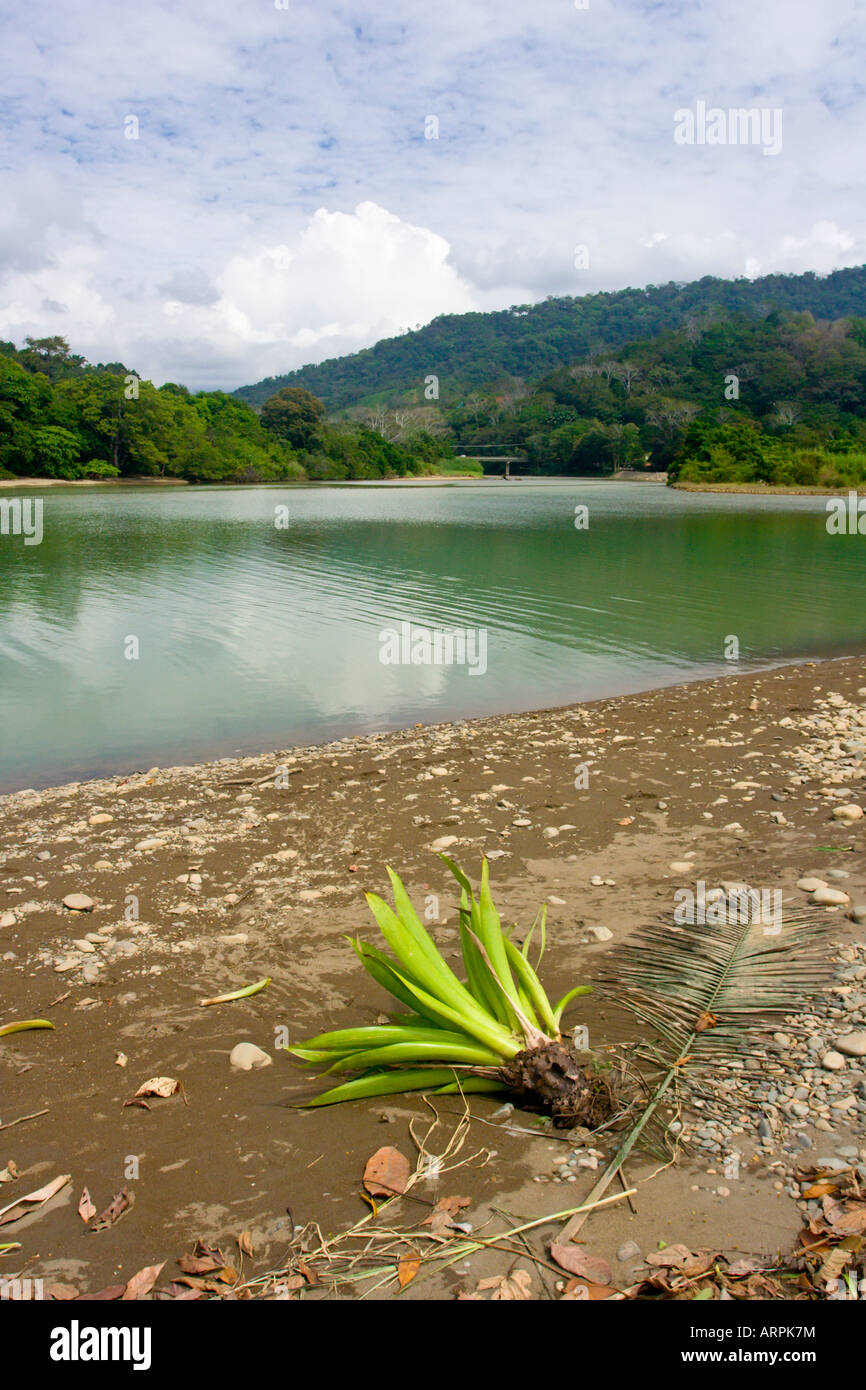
[[554, 1078]]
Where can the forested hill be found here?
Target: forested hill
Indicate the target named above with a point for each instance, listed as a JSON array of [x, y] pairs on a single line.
[[468, 351]]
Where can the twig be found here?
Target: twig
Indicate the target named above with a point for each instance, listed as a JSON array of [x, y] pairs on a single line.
[[22, 1118]]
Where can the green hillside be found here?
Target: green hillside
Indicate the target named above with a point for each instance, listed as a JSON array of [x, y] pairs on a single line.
[[471, 351]]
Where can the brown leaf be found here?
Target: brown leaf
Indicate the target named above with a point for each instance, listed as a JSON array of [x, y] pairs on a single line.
[[309, 1274], [15, 1210], [386, 1173], [203, 1260], [407, 1267], [583, 1290], [704, 1021], [245, 1243], [509, 1288], [820, 1189], [576, 1261], [10, 1172], [61, 1292], [159, 1086], [105, 1295], [86, 1209], [448, 1206], [141, 1283], [681, 1259], [846, 1218], [113, 1212], [142, 1104]]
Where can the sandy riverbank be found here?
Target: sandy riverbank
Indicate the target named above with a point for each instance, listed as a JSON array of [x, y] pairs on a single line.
[[206, 878]]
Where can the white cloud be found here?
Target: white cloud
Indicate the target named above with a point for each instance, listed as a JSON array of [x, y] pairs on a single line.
[[281, 203]]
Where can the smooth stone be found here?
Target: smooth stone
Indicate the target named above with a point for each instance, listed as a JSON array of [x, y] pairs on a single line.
[[629, 1251], [550, 832], [8, 919], [102, 818], [849, 812], [601, 933], [830, 897], [245, 1056], [444, 842], [852, 1044], [681, 866], [78, 902], [811, 885], [832, 1061], [151, 844]]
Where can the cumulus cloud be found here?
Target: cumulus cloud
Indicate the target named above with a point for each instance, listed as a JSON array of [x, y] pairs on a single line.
[[277, 200]]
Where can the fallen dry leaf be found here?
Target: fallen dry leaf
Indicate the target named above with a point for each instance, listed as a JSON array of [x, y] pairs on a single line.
[[704, 1021], [820, 1189], [203, 1260], [86, 1209], [10, 1172], [113, 1212], [576, 1261], [846, 1218], [20, 1207], [585, 1291], [407, 1267], [509, 1288], [61, 1293], [141, 1283], [245, 1243], [386, 1173], [159, 1086], [449, 1205], [107, 1294], [681, 1259]]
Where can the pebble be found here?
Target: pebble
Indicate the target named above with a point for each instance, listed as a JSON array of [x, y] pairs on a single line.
[[550, 832], [444, 842], [811, 885], [849, 812], [8, 919], [852, 1044], [78, 902], [681, 866], [101, 818], [830, 897], [601, 933], [245, 1056], [629, 1251], [832, 1061], [151, 844]]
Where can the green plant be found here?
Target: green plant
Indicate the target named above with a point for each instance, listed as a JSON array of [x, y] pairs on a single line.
[[498, 1030]]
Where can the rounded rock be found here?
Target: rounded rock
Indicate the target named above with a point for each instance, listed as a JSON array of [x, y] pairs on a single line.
[[78, 902], [245, 1056]]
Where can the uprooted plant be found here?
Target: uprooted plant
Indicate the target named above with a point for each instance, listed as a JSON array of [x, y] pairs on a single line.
[[496, 1031]]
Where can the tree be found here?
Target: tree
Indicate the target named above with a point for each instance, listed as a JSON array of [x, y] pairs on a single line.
[[295, 416]]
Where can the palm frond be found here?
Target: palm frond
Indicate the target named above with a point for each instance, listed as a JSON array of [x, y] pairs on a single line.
[[710, 992]]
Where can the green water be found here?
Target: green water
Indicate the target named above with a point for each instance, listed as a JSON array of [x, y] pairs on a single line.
[[251, 636]]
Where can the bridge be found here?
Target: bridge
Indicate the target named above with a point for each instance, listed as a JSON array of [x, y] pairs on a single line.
[[507, 459]]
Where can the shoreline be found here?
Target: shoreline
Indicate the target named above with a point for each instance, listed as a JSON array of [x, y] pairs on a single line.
[[766, 490], [201, 879]]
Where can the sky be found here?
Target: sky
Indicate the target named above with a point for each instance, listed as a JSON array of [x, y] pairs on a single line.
[[222, 190]]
